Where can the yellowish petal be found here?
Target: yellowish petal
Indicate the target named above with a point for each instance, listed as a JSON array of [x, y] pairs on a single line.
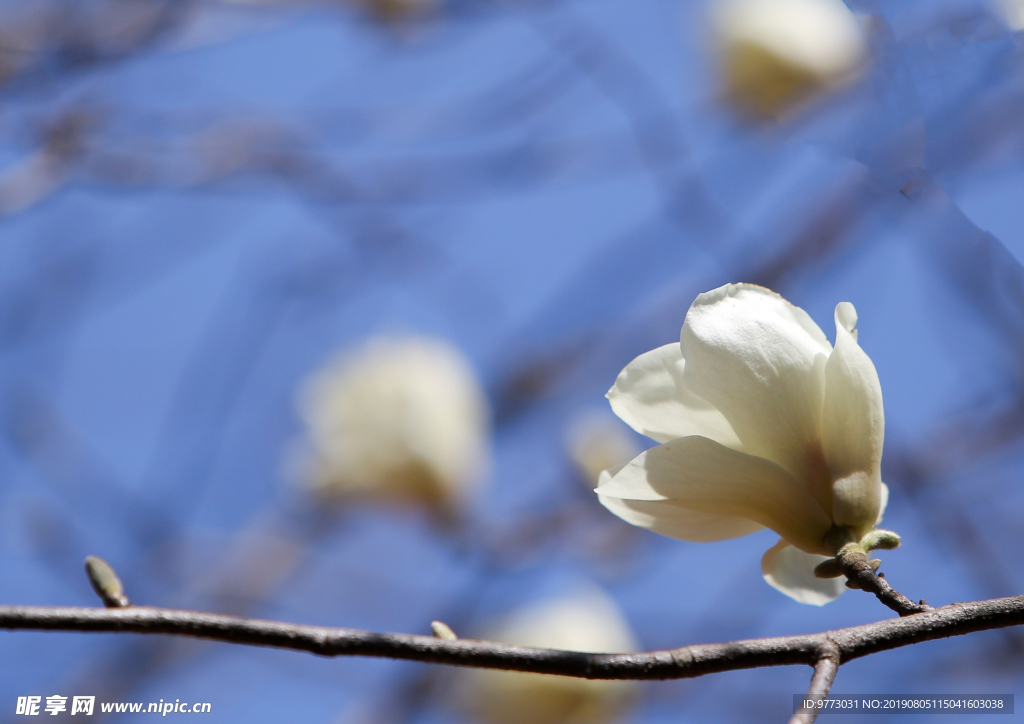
[[705, 476], [675, 521], [853, 427], [791, 571], [761, 362], [649, 396]]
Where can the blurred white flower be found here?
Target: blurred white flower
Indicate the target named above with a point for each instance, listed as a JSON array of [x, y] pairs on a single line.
[[764, 425], [596, 442], [1012, 12], [399, 419], [776, 53], [586, 621]]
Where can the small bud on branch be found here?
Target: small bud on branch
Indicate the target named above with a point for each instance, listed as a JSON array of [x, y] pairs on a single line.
[[105, 582]]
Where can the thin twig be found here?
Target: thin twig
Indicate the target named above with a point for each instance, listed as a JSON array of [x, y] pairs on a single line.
[[824, 674], [687, 662], [859, 571]]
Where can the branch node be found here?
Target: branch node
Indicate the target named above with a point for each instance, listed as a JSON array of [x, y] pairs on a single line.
[[821, 650], [105, 582], [861, 573], [825, 668]]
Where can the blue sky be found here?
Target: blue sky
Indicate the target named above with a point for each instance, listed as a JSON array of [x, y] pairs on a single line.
[[547, 186]]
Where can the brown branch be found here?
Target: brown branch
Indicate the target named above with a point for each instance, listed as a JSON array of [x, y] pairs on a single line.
[[687, 662], [860, 573], [824, 674]]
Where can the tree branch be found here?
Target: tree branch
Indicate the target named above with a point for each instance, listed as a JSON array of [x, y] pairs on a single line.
[[861, 574], [686, 662], [824, 674]]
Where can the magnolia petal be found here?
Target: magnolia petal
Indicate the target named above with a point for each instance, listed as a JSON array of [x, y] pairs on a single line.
[[703, 475], [853, 427], [846, 317], [761, 361], [667, 518], [883, 503], [675, 521], [650, 397], [791, 571]]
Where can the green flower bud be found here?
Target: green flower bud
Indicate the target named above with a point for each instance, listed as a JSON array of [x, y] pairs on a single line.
[[880, 539], [828, 569]]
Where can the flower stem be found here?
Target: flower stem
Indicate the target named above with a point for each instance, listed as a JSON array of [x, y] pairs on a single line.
[[860, 573]]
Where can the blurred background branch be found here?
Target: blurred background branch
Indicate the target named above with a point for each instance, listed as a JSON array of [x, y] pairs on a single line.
[[205, 202]]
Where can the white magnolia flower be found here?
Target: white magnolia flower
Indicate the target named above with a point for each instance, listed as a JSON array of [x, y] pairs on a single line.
[[775, 53], [589, 621], [763, 424], [397, 419]]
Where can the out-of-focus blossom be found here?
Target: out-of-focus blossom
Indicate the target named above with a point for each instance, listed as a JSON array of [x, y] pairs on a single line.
[[777, 53], [763, 424], [596, 442], [588, 621], [397, 419], [1012, 12]]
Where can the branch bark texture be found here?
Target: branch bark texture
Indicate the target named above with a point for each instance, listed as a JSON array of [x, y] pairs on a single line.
[[821, 683], [686, 662], [861, 574]]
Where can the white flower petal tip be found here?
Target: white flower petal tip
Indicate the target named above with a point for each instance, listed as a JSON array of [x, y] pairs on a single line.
[[846, 317], [791, 571], [763, 423], [775, 54]]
